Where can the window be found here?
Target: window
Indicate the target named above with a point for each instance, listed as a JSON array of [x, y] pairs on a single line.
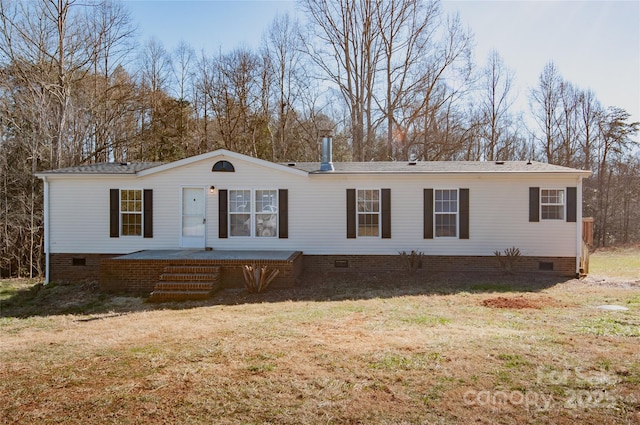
[[253, 213], [130, 212], [446, 212], [240, 212], [552, 204], [266, 213], [368, 212], [223, 166]]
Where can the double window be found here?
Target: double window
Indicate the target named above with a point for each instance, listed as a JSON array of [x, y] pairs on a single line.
[[253, 213], [552, 204]]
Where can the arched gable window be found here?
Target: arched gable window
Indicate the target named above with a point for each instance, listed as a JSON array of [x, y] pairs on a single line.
[[225, 166]]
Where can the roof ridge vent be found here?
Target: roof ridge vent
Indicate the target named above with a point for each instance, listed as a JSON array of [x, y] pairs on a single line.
[[499, 162]]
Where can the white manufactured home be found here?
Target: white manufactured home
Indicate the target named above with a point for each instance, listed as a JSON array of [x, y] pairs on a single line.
[[351, 215]]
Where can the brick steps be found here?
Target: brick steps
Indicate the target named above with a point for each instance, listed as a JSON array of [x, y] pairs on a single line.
[[185, 286], [164, 296], [181, 283], [173, 269], [189, 277]]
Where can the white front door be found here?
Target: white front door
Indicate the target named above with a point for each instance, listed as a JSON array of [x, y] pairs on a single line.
[[193, 217]]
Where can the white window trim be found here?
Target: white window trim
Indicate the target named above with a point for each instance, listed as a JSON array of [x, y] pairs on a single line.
[[120, 212], [563, 205], [457, 213], [252, 213], [379, 213]]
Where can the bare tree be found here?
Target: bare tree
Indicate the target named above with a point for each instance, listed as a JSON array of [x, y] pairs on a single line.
[[569, 125], [590, 111], [236, 95], [615, 140], [496, 119], [556, 105], [113, 33], [203, 87], [155, 82], [50, 54], [183, 61], [283, 63], [545, 105], [344, 43], [437, 127], [407, 30]]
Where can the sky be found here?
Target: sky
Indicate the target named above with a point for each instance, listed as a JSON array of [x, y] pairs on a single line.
[[594, 44]]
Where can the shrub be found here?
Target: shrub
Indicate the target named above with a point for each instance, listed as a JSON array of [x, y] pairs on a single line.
[[258, 278], [508, 261], [412, 261]]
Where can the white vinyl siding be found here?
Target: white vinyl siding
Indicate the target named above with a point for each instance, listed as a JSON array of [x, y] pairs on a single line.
[[498, 216]]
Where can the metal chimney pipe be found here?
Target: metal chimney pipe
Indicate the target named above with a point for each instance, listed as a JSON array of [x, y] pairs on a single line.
[[327, 154]]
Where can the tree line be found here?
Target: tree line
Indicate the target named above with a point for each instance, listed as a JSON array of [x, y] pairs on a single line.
[[390, 79]]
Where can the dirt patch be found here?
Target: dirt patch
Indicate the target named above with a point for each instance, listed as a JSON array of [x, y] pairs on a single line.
[[521, 302], [609, 282]]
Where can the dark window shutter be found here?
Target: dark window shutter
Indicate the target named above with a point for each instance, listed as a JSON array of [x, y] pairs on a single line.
[[464, 213], [223, 227], [534, 204], [428, 213], [572, 204], [114, 213], [148, 213], [351, 213], [386, 213], [283, 213]]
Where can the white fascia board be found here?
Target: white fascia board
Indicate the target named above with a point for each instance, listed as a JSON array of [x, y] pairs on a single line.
[[578, 173], [222, 154], [85, 176]]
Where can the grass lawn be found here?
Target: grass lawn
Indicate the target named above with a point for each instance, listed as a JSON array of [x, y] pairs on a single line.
[[385, 349], [619, 262]]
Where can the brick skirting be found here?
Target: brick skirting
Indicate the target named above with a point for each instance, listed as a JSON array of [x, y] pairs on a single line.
[[139, 276], [76, 267], [562, 266]]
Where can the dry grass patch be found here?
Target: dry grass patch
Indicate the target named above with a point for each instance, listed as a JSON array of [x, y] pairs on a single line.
[[418, 350], [522, 301], [621, 262]]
